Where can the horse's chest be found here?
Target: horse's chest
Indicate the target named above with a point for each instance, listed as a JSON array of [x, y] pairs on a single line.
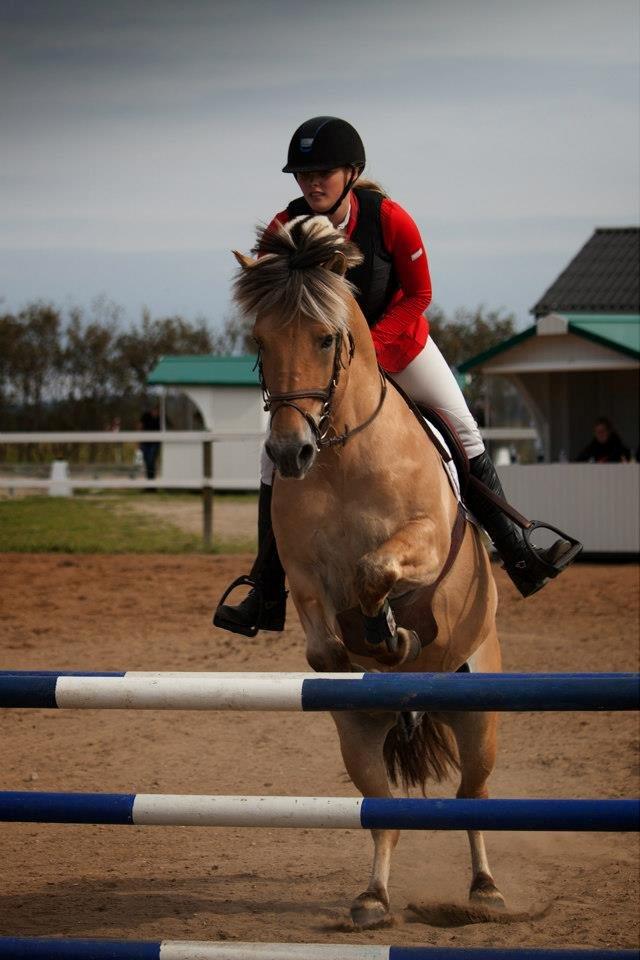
[[336, 552], [347, 537]]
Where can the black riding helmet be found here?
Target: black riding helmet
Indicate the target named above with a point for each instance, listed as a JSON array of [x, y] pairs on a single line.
[[323, 143]]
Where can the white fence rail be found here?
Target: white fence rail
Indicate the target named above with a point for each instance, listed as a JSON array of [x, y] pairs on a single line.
[[598, 503], [59, 485], [127, 436]]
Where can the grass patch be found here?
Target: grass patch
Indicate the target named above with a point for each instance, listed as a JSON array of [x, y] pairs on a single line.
[[170, 496], [73, 525], [244, 545]]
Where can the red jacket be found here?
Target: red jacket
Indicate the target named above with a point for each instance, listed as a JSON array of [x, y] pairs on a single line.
[[403, 330]]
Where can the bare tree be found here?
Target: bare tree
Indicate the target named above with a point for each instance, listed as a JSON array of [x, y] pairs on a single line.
[[140, 348], [234, 339]]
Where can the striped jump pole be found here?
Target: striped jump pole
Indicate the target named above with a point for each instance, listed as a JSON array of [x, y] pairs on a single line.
[[36, 948], [145, 809], [318, 692]]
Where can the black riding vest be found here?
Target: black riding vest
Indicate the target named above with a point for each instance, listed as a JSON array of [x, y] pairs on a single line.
[[375, 279]]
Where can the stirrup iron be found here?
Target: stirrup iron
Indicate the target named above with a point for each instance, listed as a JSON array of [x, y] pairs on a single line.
[[553, 568], [220, 621]]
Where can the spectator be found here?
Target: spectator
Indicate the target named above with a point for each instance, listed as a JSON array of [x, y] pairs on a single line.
[[150, 420], [606, 446]]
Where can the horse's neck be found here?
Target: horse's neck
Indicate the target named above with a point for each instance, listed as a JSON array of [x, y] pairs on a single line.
[[394, 436], [363, 390], [364, 376]]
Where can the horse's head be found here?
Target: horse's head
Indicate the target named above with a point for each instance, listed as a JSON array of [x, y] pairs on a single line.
[[303, 307]]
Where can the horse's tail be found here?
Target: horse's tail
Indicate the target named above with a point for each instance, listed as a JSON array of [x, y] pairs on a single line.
[[425, 751]]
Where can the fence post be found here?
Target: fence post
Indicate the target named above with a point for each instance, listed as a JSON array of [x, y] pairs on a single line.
[[207, 493]]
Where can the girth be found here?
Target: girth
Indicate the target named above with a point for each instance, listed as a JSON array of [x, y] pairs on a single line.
[[457, 536]]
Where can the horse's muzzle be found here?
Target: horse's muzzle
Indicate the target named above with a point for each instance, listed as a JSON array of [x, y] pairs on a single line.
[[292, 455]]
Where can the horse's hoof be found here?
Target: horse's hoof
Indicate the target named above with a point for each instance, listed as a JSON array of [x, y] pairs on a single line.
[[407, 650], [484, 892], [409, 645], [369, 911]]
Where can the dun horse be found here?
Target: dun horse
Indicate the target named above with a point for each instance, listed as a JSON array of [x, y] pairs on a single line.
[[364, 517]]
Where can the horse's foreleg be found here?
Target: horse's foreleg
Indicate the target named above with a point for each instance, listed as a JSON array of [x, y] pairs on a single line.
[[362, 738], [475, 735], [412, 558], [413, 555], [325, 651]]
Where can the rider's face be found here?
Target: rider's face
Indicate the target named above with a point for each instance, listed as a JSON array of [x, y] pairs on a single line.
[[321, 188]]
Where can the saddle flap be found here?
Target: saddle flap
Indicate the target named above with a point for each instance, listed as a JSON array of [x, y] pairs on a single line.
[[451, 437]]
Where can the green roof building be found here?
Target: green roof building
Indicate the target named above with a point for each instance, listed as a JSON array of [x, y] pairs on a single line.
[[226, 392], [580, 359], [207, 371]]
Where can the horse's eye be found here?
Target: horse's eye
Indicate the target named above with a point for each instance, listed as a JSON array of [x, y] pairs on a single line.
[[327, 342]]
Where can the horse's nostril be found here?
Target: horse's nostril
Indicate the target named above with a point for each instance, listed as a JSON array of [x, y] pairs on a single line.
[[269, 452], [306, 454]]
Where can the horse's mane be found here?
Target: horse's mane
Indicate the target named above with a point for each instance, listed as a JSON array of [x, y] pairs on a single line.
[[293, 277]]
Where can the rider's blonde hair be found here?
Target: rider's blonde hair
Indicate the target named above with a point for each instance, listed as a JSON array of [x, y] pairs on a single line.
[[366, 184]]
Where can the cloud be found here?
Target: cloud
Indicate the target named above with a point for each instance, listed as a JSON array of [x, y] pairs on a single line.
[[160, 128]]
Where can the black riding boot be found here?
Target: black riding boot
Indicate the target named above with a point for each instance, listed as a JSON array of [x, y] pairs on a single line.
[[264, 607], [529, 568]]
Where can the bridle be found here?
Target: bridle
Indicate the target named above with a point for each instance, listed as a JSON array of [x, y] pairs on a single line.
[[320, 428]]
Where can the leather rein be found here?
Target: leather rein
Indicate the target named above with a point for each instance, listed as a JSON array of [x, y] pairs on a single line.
[[321, 428]]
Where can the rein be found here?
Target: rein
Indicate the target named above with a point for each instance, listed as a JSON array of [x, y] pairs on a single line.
[[320, 428]]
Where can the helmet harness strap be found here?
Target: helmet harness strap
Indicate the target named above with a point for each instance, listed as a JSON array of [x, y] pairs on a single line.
[[355, 173]]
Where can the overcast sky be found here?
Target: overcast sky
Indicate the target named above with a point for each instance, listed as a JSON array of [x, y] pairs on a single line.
[[142, 139]]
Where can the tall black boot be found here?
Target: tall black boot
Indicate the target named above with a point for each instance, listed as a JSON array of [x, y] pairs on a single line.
[[264, 608], [529, 568]]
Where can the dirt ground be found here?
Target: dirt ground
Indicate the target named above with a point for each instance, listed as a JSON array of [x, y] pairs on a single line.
[[154, 613], [232, 519]]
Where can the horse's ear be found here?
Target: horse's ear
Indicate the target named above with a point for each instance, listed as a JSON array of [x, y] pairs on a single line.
[[338, 263], [245, 262]]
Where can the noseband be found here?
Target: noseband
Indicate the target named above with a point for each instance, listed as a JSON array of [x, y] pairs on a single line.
[[320, 428]]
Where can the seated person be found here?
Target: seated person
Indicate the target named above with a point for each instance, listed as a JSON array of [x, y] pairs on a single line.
[[606, 446]]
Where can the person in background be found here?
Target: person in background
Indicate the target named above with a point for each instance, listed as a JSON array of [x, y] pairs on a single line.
[[150, 420], [605, 446]]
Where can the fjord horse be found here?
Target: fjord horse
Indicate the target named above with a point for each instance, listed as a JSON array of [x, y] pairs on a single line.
[[363, 515]]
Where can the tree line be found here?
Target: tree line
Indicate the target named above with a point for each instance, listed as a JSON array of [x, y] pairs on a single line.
[[82, 369]]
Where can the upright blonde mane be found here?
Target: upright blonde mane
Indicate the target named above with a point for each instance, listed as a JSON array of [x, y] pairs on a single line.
[[299, 273]]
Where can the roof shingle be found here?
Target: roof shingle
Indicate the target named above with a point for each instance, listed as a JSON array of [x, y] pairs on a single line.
[[604, 276]]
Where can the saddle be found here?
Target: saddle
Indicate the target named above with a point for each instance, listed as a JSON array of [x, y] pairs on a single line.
[[457, 453]]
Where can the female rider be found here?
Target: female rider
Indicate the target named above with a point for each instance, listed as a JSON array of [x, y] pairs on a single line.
[[326, 157]]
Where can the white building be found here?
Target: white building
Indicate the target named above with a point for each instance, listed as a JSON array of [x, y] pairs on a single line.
[[226, 393], [580, 360]]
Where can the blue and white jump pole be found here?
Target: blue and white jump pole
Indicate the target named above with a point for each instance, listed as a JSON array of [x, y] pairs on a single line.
[[146, 809], [321, 692], [398, 692], [36, 948]]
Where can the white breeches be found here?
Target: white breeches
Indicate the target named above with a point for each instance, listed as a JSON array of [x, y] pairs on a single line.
[[429, 380], [266, 468]]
